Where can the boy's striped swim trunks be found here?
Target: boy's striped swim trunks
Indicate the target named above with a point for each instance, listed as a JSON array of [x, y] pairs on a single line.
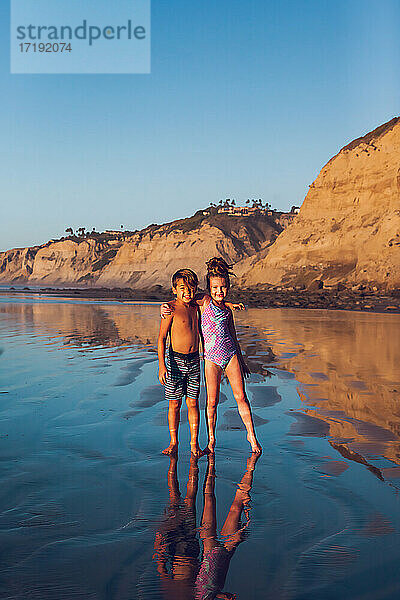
[[183, 375]]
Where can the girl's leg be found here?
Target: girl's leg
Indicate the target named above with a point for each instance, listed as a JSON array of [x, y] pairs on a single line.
[[234, 374], [213, 375], [193, 418]]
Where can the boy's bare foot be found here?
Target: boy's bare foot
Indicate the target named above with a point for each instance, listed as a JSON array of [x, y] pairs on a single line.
[[171, 450], [255, 446], [196, 450]]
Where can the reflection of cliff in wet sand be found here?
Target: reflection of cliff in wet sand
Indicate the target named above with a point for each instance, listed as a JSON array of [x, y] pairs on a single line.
[[92, 324], [348, 365], [109, 325]]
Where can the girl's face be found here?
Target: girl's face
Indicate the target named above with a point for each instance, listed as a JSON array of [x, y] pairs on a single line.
[[218, 288]]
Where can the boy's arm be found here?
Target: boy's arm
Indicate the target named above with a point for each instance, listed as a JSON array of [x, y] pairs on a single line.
[[232, 329], [165, 326]]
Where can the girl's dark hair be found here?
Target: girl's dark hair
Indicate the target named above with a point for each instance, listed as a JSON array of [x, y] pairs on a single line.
[[217, 267]]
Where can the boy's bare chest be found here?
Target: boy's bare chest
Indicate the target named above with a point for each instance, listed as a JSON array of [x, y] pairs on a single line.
[[186, 318]]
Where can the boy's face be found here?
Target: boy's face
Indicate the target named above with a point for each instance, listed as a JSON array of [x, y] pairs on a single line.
[[183, 291]]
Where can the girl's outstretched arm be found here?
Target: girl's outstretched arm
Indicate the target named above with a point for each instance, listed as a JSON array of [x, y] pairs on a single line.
[[232, 329], [232, 306], [201, 298]]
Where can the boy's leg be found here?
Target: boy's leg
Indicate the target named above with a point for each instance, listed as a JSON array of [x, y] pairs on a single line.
[[234, 374], [194, 418], [213, 375], [173, 393], [192, 395], [173, 424]]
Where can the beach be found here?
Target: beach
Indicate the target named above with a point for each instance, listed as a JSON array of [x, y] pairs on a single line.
[[86, 493]]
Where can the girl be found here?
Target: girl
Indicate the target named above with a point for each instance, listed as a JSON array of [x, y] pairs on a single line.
[[222, 351]]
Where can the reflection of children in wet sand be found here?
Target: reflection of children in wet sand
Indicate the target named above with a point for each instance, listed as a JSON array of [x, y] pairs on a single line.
[[176, 545], [218, 554]]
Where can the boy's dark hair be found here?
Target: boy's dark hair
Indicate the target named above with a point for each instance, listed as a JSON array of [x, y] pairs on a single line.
[[188, 276], [217, 267]]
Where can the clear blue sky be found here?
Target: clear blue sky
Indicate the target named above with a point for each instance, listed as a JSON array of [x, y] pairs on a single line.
[[245, 99]]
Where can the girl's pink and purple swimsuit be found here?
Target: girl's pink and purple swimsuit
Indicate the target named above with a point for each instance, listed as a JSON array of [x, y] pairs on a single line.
[[219, 346]]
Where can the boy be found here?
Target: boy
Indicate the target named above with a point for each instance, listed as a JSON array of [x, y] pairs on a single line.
[[180, 373]]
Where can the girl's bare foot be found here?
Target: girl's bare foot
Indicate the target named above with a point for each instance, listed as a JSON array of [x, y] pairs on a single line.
[[171, 450], [196, 450], [210, 448], [255, 446]]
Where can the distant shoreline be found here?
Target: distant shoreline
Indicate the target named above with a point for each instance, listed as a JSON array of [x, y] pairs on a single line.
[[366, 301]]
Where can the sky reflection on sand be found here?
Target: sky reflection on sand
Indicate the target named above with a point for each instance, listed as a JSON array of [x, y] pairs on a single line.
[[84, 487]]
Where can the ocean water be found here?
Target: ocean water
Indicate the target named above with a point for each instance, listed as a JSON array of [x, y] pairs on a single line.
[[91, 509]]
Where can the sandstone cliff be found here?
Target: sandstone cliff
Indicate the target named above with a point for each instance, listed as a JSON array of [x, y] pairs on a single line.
[[144, 258], [348, 228]]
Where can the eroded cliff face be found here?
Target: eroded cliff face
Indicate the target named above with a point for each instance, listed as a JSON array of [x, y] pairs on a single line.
[[348, 228], [145, 259], [152, 260], [17, 263]]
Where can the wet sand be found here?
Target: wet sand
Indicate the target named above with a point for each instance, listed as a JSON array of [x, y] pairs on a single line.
[[89, 508]]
